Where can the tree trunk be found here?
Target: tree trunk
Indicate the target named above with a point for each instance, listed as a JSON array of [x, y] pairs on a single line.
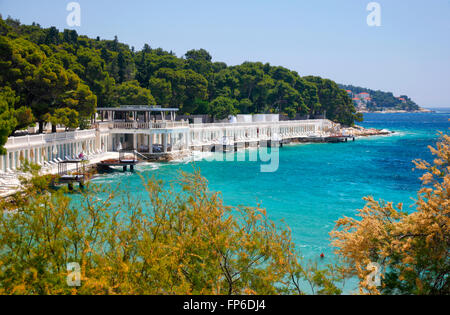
[[41, 126]]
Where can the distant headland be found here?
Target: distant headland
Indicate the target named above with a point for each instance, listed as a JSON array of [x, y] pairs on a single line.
[[371, 101]]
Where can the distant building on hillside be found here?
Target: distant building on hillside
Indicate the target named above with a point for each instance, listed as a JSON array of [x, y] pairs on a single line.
[[378, 100], [357, 101], [363, 96]]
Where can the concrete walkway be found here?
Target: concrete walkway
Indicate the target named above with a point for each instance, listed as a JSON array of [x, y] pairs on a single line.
[[10, 183]]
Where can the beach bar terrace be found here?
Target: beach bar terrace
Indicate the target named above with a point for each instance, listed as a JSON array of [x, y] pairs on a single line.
[[146, 129]]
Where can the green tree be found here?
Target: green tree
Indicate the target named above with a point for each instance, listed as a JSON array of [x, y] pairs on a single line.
[[82, 100], [196, 88], [66, 117], [49, 87], [161, 90], [224, 83], [335, 101], [250, 74], [19, 60], [149, 63], [92, 71], [23, 115], [130, 93], [121, 63], [245, 106], [199, 61], [187, 87], [284, 96], [309, 93], [8, 121], [223, 107], [25, 118], [70, 36], [52, 37]]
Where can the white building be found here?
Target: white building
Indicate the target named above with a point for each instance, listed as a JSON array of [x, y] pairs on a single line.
[[151, 131]]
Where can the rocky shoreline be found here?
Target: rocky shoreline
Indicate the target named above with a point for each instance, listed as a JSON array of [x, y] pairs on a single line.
[[358, 131], [397, 111]]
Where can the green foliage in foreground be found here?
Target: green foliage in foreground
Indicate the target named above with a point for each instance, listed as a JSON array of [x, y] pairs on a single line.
[[411, 249], [184, 240], [175, 243]]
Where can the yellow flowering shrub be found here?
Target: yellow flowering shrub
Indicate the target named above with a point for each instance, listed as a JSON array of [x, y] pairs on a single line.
[[182, 240], [412, 248]]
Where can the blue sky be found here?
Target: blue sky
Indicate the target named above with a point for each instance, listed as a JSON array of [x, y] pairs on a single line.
[[409, 53]]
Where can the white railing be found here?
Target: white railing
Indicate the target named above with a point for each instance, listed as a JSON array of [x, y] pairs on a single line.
[[49, 138], [258, 131], [123, 125], [260, 124], [143, 125], [170, 125], [85, 134]]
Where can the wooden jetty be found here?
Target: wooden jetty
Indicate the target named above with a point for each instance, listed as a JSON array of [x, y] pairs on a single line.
[[127, 158], [338, 139], [69, 177]]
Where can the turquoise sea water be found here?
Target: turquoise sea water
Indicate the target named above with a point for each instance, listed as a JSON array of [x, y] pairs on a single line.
[[317, 183]]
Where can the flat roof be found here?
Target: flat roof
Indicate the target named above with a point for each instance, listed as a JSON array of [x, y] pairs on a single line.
[[137, 108]]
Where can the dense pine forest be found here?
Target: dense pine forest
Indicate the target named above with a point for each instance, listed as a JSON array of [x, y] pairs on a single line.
[[61, 77]]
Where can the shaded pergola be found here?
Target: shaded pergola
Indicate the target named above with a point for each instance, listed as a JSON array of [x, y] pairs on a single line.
[[142, 113], [78, 174], [127, 156], [146, 129]]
